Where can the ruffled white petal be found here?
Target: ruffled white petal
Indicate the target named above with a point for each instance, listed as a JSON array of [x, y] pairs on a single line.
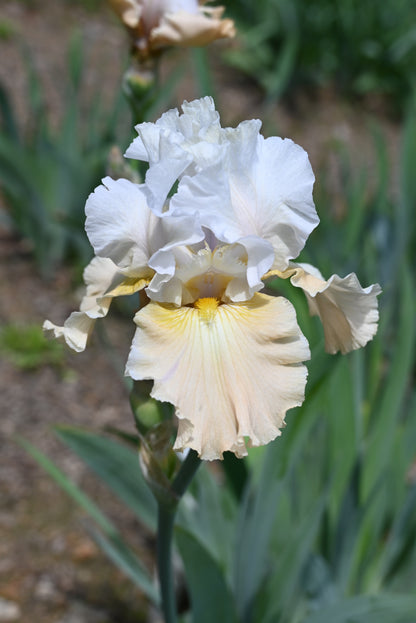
[[199, 122], [199, 118], [349, 313], [265, 193], [232, 371], [121, 226], [246, 262], [259, 260], [285, 209], [173, 281], [167, 160], [119, 223], [231, 272], [209, 194], [98, 276], [177, 144], [243, 143]]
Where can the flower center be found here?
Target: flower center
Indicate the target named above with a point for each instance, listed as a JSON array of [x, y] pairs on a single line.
[[207, 307], [208, 285]]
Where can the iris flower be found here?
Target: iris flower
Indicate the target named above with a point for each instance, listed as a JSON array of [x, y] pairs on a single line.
[[155, 24], [221, 210]]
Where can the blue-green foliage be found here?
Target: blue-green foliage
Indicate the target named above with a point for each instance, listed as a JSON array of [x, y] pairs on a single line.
[[46, 173], [360, 45]]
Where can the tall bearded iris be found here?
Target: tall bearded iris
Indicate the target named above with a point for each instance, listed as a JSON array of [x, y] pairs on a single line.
[[229, 358]]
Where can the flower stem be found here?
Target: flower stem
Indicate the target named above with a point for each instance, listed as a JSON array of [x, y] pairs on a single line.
[[186, 473], [166, 521]]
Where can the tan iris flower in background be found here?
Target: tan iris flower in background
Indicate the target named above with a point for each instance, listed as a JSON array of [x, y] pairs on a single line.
[[155, 24]]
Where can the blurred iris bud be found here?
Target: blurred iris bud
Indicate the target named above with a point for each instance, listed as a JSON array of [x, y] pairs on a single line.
[[159, 463]]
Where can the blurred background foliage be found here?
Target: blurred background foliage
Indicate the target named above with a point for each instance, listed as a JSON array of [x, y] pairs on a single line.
[[319, 526], [46, 172], [358, 46]]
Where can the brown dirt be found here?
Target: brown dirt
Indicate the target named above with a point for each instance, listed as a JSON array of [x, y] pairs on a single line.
[[46, 556], [49, 568]]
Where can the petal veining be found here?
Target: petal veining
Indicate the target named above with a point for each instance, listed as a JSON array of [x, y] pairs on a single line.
[[231, 370]]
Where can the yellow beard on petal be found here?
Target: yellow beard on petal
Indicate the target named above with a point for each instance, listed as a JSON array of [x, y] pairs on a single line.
[[207, 307]]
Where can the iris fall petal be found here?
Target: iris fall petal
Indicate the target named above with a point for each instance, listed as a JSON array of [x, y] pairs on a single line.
[[98, 276], [349, 312], [231, 370]]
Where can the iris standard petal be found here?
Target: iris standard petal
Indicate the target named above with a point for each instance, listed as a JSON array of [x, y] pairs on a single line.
[[283, 182], [119, 223], [121, 226], [175, 145], [167, 159], [199, 121], [266, 192], [231, 370]]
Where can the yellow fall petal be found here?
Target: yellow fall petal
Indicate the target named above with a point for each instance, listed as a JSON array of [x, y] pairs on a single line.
[[231, 370]]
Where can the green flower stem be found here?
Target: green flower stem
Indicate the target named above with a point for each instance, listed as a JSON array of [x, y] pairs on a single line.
[[166, 521], [186, 473]]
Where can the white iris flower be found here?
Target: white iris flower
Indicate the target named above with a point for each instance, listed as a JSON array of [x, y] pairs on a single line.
[[229, 358]]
